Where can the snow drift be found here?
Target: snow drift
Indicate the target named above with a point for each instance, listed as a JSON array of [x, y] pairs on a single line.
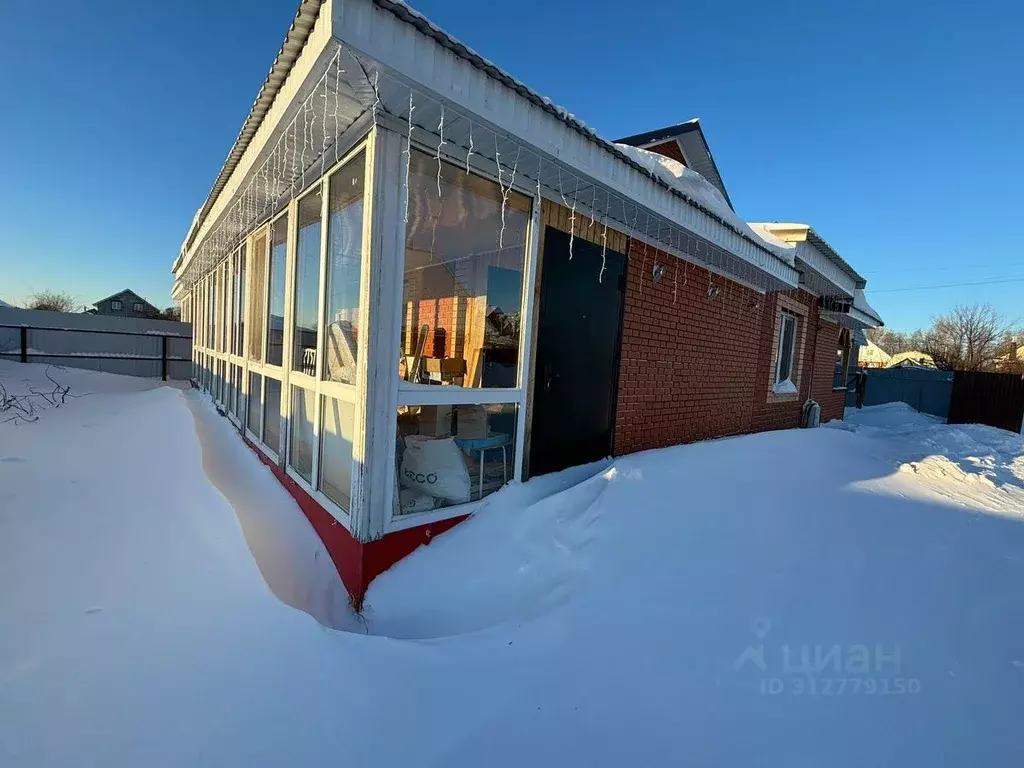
[[657, 609]]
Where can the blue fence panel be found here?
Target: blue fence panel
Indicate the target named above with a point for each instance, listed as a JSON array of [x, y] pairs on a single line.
[[923, 389]]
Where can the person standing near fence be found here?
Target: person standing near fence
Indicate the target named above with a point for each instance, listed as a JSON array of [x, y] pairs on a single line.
[[860, 385]]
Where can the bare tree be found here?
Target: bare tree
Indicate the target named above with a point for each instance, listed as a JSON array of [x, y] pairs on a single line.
[[171, 313], [53, 301], [970, 338]]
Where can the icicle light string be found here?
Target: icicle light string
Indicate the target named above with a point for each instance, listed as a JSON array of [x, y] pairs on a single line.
[[440, 143], [572, 217], [408, 157], [284, 163], [506, 192], [604, 249]]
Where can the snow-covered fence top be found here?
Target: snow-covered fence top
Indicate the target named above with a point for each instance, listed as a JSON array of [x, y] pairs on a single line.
[[128, 346]]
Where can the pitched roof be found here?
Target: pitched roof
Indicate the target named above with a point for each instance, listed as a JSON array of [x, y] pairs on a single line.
[[121, 294], [694, 145]]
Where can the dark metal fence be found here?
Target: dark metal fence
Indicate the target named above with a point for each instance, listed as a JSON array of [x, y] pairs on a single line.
[[924, 389], [150, 354], [996, 399]]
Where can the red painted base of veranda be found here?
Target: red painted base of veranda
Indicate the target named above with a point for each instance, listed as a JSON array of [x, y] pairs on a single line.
[[358, 563]]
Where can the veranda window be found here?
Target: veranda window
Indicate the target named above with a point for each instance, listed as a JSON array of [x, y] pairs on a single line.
[[257, 297], [307, 285], [275, 293], [452, 454], [463, 283], [344, 267]]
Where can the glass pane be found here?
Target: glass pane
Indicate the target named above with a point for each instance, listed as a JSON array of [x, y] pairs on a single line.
[[300, 453], [463, 288], [275, 308], [272, 415], [451, 454], [211, 308], [338, 422], [224, 315], [344, 264], [256, 296], [240, 336], [786, 347], [255, 403], [307, 285]]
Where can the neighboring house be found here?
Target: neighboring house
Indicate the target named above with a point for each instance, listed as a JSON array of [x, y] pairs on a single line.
[[870, 355], [392, 180], [1011, 360], [5, 304], [912, 359], [126, 303]]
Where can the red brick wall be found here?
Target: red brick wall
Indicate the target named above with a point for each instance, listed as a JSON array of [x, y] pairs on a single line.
[[669, 149], [783, 415], [687, 369], [832, 401], [695, 366]]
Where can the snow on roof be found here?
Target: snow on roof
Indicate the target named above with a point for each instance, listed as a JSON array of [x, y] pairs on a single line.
[[697, 188], [5, 304], [872, 353], [860, 302], [912, 358], [762, 231]]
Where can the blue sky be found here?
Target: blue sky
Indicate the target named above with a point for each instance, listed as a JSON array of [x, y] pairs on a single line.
[[893, 128]]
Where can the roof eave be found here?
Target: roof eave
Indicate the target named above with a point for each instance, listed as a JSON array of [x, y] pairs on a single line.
[[298, 33]]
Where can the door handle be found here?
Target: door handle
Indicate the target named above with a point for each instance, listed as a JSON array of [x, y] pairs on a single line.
[[547, 378]]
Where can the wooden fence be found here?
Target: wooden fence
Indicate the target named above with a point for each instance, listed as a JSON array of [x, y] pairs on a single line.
[[996, 399]]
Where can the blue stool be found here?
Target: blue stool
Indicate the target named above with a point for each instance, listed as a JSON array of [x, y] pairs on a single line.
[[492, 442]]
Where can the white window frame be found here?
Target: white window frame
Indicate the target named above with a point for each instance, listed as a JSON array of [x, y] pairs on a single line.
[[137, 306], [390, 242], [115, 305], [378, 389], [793, 318]]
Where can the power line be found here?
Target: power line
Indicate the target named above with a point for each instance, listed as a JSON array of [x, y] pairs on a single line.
[[936, 267], [994, 281]]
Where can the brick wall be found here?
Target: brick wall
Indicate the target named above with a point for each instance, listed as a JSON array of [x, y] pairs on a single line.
[[669, 149], [688, 363], [832, 401], [696, 366]]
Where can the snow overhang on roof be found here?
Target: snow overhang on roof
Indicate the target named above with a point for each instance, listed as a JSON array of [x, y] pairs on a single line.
[[377, 55], [822, 270], [689, 135]]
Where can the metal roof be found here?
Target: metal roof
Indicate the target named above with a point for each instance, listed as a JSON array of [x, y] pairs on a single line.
[[683, 132], [818, 242], [428, 28], [298, 35]]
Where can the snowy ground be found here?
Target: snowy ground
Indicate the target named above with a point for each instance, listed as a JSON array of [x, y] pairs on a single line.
[[845, 596]]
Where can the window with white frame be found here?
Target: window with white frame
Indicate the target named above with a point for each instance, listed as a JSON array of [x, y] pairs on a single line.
[[786, 356], [344, 267], [257, 296], [305, 320], [115, 305], [463, 284], [239, 289], [453, 454], [275, 291], [137, 306], [843, 350]]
